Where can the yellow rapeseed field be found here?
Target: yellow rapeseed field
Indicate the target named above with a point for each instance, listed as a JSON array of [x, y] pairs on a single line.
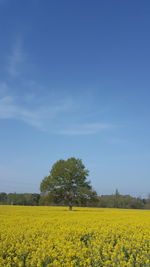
[[54, 236]]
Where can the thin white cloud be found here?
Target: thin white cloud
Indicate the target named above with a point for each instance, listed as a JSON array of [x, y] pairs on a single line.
[[16, 58], [48, 117], [3, 89], [86, 129], [37, 116], [52, 112]]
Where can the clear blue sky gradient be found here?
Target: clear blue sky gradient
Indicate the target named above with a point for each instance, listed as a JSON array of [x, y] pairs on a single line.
[[75, 82]]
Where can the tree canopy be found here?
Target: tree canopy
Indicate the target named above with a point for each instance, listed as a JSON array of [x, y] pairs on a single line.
[[67, 183]]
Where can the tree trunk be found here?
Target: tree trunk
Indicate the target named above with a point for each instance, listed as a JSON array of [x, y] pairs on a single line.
[[70, 208]]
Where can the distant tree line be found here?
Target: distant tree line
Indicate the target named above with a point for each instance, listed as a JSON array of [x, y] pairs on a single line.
[[123, 201], [19, 199], [104, 201]]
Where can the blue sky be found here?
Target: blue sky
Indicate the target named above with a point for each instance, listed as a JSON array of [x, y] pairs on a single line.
[[75, 82]]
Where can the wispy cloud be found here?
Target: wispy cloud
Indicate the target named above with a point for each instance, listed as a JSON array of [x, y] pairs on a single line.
[[37, 116], [86, 129], [3, 88], [10, 110], [16, 58], [52, 117], [52, 111]]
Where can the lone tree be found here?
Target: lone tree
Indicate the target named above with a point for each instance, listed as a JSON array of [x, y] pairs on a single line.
[[67, 183]]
